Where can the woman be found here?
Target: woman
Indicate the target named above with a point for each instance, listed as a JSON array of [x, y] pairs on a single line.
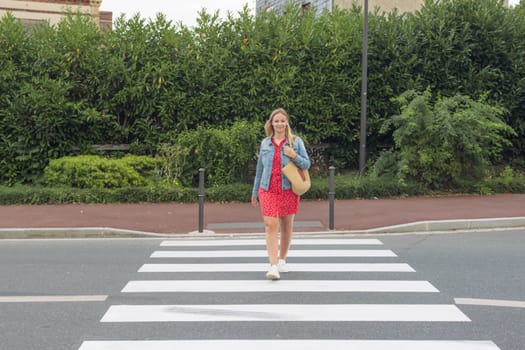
[[273, 190]]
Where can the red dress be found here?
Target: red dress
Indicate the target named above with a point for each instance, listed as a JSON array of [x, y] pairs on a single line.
[[275, 202]]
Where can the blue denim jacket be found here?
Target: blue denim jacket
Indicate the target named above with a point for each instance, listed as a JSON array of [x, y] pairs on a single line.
[[265, 163]]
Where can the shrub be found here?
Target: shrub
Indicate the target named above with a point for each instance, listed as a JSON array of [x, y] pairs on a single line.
[[147, 167], [346, 187], [238, 192], [446, 143], [92, 172], [172, 160], [22, 194], [227, 154]]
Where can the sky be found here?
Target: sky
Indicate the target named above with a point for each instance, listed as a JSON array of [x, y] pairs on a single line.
[[185, 11]]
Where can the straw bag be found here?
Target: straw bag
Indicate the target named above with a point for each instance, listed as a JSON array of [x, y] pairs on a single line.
[[299, 178]]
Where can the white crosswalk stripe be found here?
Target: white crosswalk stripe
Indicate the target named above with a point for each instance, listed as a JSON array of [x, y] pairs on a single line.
[[290, 345], [242, 286], [260, 267], [285, 312], [357, 253], [244, 242], [202, 250]]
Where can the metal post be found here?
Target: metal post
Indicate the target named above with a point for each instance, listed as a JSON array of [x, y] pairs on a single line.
[[364, 88], [331, 196], [201, 200]]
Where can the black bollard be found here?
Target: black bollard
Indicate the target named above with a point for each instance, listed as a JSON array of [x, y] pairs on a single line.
[[201, 200], [331, 196]]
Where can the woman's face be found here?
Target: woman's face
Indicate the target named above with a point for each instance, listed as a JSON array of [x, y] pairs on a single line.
[[279, 123]]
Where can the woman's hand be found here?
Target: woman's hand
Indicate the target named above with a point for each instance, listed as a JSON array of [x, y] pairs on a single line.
[[289, 152], [255, 202]]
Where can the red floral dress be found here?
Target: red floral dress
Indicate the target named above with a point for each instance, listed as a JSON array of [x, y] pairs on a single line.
[[275, 202]]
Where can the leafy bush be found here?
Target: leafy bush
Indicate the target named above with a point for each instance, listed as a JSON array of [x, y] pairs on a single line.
[[23, 194], [238, 192], [504, 181], [446, 143], [172, 160], [147, 167], [350, 186], [227, 154], [93, 172]]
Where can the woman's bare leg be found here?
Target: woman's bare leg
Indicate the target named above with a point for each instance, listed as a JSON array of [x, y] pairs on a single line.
[[286, 223], [271, 227]]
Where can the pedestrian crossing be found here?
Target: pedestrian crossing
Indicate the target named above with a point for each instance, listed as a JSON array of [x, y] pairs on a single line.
[[290, 345], [244, 242], [243, 286], [227, 268], [262, 267], [340, 253], [286, 312]]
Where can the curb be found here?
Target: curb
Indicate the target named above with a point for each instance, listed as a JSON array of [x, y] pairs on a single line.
[[453, 225], [414, 227], [72, 232]]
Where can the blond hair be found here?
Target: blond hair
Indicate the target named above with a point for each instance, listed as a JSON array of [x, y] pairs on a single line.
[[268, 128]]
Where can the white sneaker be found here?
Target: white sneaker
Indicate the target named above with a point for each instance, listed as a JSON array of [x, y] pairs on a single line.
[[273, 273], [281, 265]]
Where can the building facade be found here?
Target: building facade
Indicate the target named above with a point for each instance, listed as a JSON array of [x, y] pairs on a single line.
[[31, 12], [321, 5]]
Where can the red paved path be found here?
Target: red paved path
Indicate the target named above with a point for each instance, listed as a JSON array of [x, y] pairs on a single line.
[[183, 218]]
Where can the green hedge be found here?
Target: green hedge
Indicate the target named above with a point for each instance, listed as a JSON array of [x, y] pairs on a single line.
[[346, 187], [350, 187], [99, 172], [68, 86], [21, 194]]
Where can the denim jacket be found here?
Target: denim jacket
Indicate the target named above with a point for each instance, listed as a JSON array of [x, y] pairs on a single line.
[[265, 163]]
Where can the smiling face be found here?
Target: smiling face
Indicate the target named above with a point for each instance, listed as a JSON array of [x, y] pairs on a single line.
[[279, 123]]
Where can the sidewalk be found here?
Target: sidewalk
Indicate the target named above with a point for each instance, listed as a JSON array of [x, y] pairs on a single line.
[[412, 214]]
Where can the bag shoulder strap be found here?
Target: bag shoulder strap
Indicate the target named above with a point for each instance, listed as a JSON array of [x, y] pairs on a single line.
[[292, 140]]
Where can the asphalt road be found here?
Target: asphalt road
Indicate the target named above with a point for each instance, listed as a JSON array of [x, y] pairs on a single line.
[[480, 273]]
